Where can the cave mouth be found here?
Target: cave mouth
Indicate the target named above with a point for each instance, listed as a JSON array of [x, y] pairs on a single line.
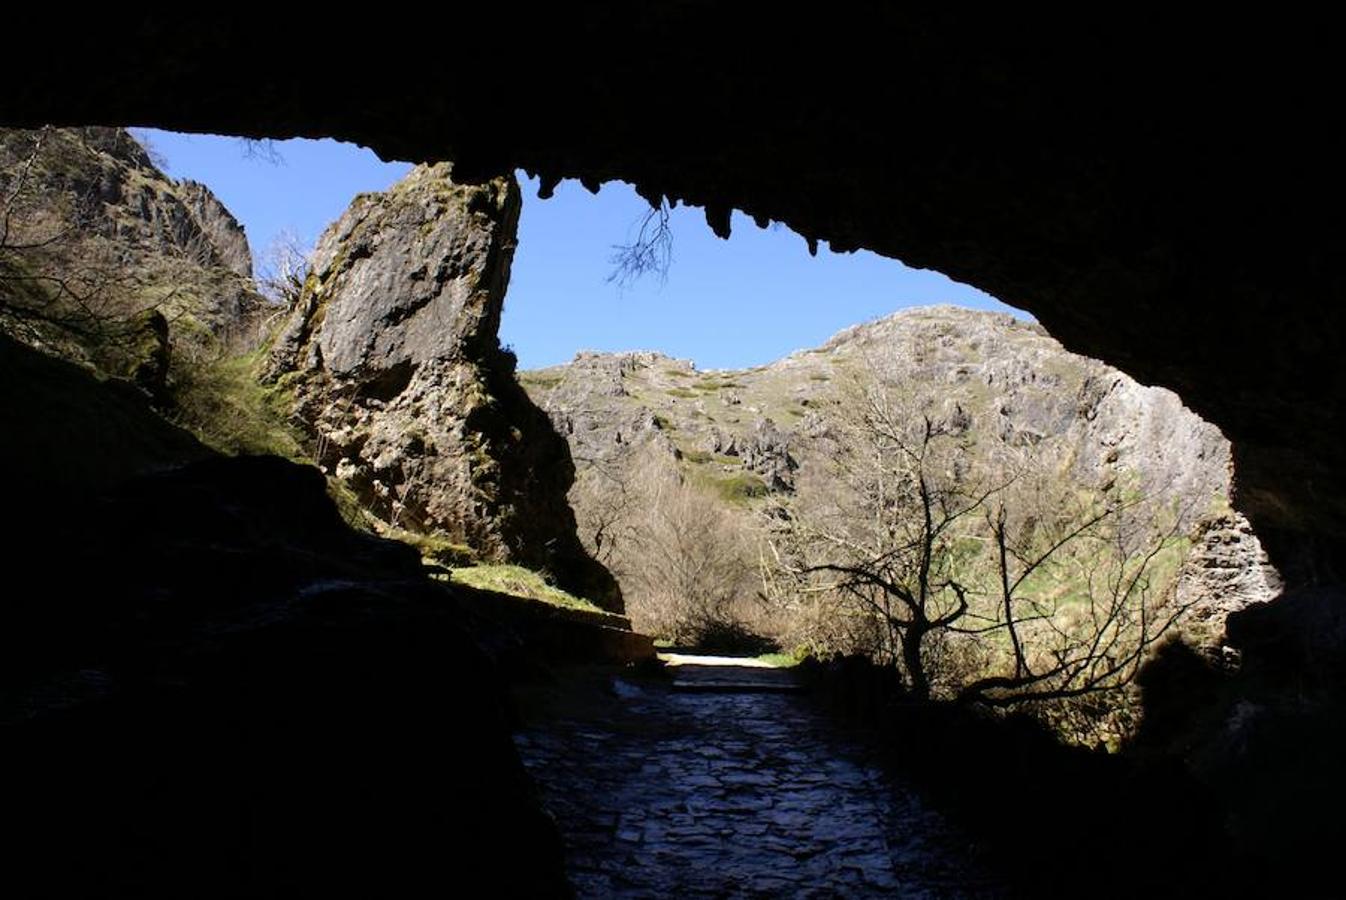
[[743, 296]]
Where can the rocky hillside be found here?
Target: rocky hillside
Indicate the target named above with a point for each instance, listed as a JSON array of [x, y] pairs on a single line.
[[750, 435], [107, 260], [404, 392]]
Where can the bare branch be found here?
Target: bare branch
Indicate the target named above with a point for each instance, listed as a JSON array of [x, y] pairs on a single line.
[[650, 252]]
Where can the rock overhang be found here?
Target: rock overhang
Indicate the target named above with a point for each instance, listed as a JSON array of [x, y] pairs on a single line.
[[1155, 196]]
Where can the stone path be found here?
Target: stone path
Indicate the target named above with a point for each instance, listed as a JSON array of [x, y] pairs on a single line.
[[667, 792]]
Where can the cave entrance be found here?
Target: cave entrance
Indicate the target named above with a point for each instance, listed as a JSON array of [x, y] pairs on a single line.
[[696, 460], [704, 386]]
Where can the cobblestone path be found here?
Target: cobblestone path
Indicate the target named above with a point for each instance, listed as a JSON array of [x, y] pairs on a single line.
[[709, 791]]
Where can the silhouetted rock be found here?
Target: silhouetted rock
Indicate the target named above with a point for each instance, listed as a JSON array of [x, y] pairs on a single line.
[[232, 694]]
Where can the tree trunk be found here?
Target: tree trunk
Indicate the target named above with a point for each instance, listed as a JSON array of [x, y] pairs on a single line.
[[917, 681]]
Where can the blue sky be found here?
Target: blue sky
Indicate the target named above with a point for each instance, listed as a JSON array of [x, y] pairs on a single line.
[[724, 304]]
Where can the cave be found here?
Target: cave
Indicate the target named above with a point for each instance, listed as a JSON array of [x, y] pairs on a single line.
[[1164, 197]]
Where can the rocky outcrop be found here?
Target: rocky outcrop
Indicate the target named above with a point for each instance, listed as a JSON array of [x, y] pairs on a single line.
[[88, 210], [592, 409], [767, 452], [218, 225], [1228, 571], [401, 384], [101, 181], [1123, 425]]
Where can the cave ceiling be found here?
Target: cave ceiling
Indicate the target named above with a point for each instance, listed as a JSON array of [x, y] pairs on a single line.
[[1165, 196]]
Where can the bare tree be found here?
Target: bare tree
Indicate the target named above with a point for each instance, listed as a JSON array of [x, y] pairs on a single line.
[[284, 267], [261, 150], [1076, 592], [607, 503], [1049, 590], [156, 156]]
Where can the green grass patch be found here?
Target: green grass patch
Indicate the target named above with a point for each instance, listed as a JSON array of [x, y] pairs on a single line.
[[1167, 565], [739, 488], [540, 380], [704, 456], [782, 660], [225, 405], [351, 509], [1069, 585], [435, 548], [520, 582], [711, 385], [681, 392]]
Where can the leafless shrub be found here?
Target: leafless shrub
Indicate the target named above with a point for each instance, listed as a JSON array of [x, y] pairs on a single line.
[[283, 269], [679, 554], [261, 149]]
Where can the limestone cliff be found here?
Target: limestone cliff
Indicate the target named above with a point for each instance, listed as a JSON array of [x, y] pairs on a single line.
[[404, 390], [1002, 383]]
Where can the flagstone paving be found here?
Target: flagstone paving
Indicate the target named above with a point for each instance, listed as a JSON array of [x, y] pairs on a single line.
[[668, 791]]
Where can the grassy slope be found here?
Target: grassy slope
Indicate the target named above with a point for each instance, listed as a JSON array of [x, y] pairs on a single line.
[[519, 582]]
